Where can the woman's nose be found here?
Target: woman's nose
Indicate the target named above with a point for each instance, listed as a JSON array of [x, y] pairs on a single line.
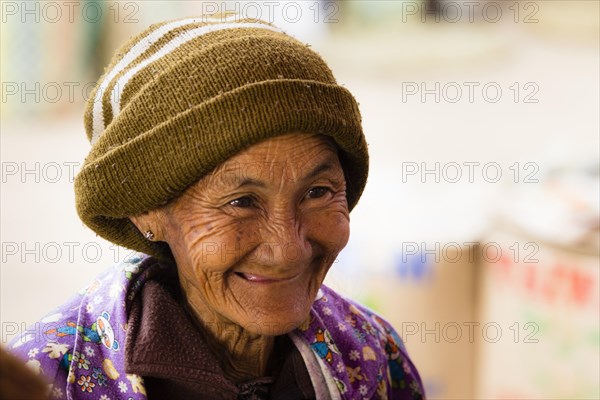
[[283, 243]]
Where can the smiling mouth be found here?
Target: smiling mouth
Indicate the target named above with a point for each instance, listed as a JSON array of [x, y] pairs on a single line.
[[262, 279]]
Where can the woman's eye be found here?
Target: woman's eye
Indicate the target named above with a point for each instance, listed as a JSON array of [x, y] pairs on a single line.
[[242, 202], [317, 192]]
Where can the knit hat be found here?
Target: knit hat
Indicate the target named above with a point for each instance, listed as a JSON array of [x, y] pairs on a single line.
[[185, 95]]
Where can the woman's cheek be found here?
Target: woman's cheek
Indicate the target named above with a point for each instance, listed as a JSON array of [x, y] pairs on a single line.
[[217, 246], [339, 231], [329, 228]]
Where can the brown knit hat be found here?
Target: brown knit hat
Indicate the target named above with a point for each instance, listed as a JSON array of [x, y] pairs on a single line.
[[185, 95]]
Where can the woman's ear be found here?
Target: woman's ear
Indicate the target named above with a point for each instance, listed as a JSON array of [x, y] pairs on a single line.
[[149, 223]]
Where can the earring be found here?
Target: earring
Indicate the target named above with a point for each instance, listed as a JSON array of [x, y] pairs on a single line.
[[149, 235]]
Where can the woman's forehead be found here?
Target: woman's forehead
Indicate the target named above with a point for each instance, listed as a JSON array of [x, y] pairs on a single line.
[[297, 151], [295, 157], [289, 145]]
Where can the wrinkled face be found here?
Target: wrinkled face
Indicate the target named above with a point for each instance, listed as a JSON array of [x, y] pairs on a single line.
[[254, 239]]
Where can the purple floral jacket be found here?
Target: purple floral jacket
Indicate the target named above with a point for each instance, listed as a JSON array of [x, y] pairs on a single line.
[[349, 351]]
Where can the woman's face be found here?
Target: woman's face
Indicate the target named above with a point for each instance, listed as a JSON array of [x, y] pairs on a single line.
[[254, 239]]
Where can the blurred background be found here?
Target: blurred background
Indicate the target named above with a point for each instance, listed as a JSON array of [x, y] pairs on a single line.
[[478, 232]]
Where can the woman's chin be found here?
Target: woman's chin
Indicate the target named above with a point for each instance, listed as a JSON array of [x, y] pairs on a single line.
[[273, 326], [273, 308], [274, 321]]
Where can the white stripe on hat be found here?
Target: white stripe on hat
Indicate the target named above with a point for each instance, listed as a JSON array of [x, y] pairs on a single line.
[[143, 45], [169, 47], [133, 53]]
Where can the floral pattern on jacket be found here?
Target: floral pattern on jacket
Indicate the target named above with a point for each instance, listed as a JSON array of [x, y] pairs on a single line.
[[79, 346]]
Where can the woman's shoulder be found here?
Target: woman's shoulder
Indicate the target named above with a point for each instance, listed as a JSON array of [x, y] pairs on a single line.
[[80, 342], [346, 310], [356, 345], [113, 286]]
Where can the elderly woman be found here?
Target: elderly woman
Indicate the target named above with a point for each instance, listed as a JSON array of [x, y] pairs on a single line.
[[224, 152]]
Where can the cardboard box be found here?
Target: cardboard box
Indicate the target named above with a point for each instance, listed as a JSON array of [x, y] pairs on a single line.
[[543, 299], [431, 304]]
